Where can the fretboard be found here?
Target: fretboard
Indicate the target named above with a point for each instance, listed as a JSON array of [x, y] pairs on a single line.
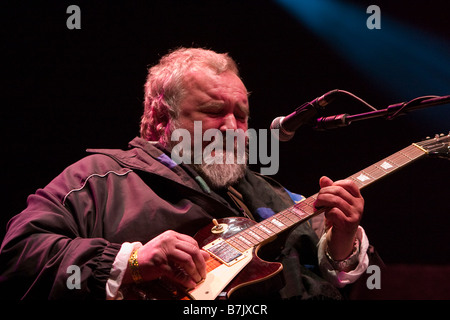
[[304, 210]]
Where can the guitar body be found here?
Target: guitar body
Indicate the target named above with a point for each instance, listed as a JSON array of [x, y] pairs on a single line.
[[250, 278], [250, 281]]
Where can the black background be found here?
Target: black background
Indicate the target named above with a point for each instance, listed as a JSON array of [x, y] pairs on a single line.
[[67, 90]]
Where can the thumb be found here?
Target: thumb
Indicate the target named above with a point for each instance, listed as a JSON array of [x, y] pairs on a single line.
[[325, 182], [205, 254]]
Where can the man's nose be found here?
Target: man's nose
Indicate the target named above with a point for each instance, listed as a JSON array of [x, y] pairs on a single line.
[[229, 122]]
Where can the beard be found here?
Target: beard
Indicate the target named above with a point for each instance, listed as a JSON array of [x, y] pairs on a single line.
[[221, 175], [217, 175]]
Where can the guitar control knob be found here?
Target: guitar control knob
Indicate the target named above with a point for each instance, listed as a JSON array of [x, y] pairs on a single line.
[[219, 227]]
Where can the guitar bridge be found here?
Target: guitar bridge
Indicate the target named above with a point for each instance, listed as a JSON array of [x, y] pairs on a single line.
[[224, 252]]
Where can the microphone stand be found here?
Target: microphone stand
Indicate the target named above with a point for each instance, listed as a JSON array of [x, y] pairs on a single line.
[[391, 112]]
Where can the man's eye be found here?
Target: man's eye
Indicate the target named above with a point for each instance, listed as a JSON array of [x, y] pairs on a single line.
[[241, 117], [212, 113]]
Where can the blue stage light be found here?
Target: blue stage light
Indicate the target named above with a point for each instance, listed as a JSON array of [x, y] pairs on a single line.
[[399, 60]]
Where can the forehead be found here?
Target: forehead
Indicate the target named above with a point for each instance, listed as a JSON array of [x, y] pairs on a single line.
[[206, 84]]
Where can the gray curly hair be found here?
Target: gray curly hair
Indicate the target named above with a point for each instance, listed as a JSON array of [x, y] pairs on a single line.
[[164, 87]]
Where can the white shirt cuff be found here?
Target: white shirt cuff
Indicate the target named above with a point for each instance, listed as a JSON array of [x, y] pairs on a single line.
[[118, 270], [340, 278]]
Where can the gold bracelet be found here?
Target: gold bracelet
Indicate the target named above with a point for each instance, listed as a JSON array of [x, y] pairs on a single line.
[[134, 268]]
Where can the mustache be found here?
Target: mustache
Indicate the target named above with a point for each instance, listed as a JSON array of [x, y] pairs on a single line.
[[221, 149]]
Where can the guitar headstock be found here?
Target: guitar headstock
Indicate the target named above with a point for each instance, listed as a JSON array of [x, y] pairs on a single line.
[[438, 146]]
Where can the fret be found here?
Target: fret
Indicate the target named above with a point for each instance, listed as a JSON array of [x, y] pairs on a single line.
[[305, 208], [386, 166], [245, 244], [293, 211], [269, 225], [307, 205], [255, 235], [292, 217], [285, 220], [363, 178], [281, 223], [416, 152], [400, 159], [237, 244], [266, 230], [358, 183], [298, 212], [405, 155], [278, 223], [375, 172], [247, 239], [258, 230]]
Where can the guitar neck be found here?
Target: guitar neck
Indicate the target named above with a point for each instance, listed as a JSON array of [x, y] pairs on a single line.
[[305, 210], [388, 165]]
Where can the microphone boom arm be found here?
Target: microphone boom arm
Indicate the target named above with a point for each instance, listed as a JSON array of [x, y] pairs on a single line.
[[391, 112]]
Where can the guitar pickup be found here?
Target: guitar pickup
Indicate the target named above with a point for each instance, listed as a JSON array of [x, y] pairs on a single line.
[[224, 252]]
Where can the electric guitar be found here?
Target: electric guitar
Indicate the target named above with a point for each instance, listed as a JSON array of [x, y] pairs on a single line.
[[233, 243]]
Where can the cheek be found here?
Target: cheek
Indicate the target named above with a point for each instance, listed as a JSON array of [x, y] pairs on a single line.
[[192, 123], [242, 125], [211, 123]]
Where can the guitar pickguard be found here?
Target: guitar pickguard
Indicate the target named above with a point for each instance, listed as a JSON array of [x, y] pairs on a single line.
[[218, 278]]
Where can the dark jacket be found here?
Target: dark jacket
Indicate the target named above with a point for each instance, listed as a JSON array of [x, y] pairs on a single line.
[[84, 215]]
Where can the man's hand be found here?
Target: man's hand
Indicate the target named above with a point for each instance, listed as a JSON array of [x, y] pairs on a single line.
[[344, 207], [172, 255]]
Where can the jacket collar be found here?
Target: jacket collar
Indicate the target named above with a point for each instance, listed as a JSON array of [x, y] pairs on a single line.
[[150, 157]]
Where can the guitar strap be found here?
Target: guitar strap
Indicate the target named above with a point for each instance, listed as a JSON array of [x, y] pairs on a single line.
[[238, 199]]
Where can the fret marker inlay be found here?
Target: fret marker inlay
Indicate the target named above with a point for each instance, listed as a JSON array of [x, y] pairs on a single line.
[[386, 165], [362, 177]]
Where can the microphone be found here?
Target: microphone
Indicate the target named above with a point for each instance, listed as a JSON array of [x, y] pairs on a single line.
[[302, 115]]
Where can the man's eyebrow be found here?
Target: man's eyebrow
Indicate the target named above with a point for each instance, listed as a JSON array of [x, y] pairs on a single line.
[[217, 106], [212, 105], [244, 108]]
